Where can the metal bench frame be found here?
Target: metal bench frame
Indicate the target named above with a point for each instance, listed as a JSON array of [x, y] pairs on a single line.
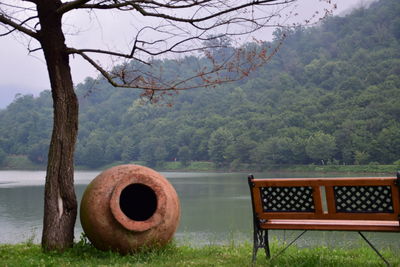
[[333, 204]]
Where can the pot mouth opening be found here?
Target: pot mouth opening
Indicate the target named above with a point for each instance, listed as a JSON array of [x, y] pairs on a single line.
[[138, 202]]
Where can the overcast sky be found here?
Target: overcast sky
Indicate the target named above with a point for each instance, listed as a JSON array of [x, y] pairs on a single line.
[[26, 73]]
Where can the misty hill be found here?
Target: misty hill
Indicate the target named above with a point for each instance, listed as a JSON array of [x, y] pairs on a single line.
[[331, 95]]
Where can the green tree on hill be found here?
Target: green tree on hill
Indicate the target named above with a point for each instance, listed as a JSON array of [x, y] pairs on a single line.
[[321, 147]]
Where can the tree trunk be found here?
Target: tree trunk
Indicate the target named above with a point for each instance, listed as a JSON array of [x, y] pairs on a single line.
[[60, 205]]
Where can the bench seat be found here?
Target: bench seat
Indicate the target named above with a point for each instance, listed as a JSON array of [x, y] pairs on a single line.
[[333, 225]]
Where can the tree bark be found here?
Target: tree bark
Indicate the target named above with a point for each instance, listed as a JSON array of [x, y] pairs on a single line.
[[60, 205]]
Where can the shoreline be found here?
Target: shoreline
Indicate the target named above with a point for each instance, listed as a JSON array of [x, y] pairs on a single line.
[[22, 163], [351, 169]]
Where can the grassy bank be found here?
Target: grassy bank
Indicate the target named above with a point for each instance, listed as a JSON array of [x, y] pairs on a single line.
[[209, 166], [389, 169], [191, 166], [232, 255], [21, 162]]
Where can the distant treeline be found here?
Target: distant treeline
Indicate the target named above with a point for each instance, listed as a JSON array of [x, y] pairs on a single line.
[[331, 95]]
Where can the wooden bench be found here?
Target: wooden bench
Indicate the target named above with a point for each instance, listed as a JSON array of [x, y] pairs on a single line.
[[346, 204]]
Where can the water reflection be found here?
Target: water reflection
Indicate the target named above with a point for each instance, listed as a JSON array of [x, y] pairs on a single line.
[[21, 212], [215, 209]]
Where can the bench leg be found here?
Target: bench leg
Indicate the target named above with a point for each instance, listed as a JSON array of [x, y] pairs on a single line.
[[373, 247], [266, 247], [260, 240], [291, 243]]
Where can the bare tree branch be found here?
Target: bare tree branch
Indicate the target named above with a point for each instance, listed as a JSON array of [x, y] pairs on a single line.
[[95, 65], [106, 52], [134, 83], [145, 3], [216, 14], [32, 1], [68, 6], [240, 63], [18, 26], [135, 5]]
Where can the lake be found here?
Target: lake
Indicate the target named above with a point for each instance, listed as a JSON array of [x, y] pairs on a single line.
[[216, 209]]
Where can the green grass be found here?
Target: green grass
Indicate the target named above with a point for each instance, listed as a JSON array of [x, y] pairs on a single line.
[[210, 166], [21, 162], [192, 166], [172, 255], [107, 166], [390, 169]]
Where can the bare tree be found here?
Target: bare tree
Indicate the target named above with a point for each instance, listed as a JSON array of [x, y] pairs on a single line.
[[176, 27]]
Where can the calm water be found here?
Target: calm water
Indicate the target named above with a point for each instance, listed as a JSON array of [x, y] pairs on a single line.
[[215, 209]]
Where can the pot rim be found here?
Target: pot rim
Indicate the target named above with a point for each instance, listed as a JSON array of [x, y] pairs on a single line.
[[125, 221]]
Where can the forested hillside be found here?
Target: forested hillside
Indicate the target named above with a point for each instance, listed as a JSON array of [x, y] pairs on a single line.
[[330, 96]]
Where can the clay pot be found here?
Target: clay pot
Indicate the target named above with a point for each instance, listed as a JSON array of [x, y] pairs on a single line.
[[129, 207]]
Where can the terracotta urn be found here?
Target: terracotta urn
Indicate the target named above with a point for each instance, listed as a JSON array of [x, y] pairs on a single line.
[[128, 208]]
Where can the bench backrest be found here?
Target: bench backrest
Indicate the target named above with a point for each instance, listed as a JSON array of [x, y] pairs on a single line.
[[366, 198]]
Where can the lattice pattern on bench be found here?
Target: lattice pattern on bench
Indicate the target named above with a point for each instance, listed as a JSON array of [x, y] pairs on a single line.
[[287, 199], [363, 199]]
